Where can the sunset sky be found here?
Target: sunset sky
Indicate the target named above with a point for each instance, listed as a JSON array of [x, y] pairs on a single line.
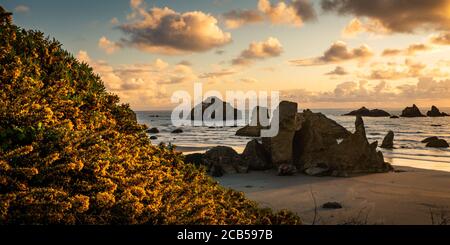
[[322, 54]]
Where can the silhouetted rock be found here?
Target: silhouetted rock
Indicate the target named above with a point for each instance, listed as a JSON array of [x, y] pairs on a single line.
[[177, 131], [364, 112], [388, 142], [429, 139], [412, 112], [317, 134], [350, 154], [153, 137], [439, 143], [249, 131], [195, 158], [256, 125], [436, 125], [435, 112], [394, 117], [280, 146], [228, 111], [287, 170], [224, 160], [332, 205], [153, 131], [256, 157]]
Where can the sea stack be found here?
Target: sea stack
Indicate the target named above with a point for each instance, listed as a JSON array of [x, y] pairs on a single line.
[[388, 142], [412, 112], [435, 112], [364, 112]]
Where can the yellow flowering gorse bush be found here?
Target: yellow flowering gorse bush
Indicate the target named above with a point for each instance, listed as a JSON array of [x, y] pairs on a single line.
[[71, 154]]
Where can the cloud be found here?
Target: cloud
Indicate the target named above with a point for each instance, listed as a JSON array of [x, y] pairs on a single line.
[[337, 53], [22, 9], [141, 85], [355, 27], [258, 51], [294, 12], [108, 46], [163, 30], [367, 92], [338, 71], [237, 18], [395, 71], [441, 38], [217, 74], [396, 15], [411, 50], [249, 80], [114, 21]]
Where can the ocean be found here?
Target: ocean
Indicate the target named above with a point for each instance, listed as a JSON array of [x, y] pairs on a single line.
[[409, 132]]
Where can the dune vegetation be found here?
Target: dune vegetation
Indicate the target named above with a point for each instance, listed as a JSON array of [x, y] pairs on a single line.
[[71, 153]]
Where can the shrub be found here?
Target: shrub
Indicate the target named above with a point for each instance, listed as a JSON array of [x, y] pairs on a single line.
[[70, 153]]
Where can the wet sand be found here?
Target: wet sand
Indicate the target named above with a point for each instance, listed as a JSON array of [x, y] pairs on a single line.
[[405, 197]]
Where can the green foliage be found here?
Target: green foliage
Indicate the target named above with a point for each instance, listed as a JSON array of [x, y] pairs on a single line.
[[71, 154]]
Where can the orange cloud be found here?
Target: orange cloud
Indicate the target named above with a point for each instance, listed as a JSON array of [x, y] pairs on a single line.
[[337, 53]]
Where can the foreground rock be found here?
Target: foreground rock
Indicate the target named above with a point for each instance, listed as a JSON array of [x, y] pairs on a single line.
[[412, 112], [364, 112], [287, 170], [439, 143], [280, 147], [388, 142], [222, 160], [332, 205], [435, 112], [256, 157], [353, 154]]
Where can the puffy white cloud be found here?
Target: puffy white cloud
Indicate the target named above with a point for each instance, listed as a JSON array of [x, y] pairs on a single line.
[[294, 12], [163, 30], [108, 46], [259, 50]]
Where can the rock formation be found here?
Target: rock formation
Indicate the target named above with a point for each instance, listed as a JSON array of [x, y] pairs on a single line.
[[287, 170], [280, 147], [256, 157], [435, 112], [394, 117], [229, 112], [388, 142], [152, 131], [435, 142], [364, 112], [338, 157], [412, 112], [256, 125], [177, 131], [429, 139], [222, 160]]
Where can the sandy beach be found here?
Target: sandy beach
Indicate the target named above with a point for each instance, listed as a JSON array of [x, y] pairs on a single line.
[[405, 197]]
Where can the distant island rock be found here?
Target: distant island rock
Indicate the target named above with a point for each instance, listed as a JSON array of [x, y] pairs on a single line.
[[394, 117], [435, 112], [412, 112], [364, 112], [229, 112]]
